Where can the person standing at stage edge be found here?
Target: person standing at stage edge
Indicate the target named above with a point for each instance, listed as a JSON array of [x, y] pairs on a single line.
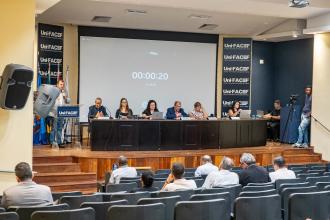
[[303, 129]]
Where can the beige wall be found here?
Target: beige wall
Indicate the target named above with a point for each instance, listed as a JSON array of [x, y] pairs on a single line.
[[16, 46], [321, 105]]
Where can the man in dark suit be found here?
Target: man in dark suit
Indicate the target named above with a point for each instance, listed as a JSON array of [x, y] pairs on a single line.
[[252, 173], [97, 110], [176, 112]]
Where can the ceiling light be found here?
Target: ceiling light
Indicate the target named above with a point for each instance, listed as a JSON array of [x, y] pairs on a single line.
[[298, 3], [208, 26], [202, 17], [101, 19], [295, 35], [136, 11]]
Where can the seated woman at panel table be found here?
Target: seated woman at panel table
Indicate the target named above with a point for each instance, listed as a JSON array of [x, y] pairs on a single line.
[[176, 112], [151, 108], [198, 113], [235, 109], [124, 112]]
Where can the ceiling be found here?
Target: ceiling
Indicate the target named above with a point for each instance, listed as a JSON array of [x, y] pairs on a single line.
[[233, 17]]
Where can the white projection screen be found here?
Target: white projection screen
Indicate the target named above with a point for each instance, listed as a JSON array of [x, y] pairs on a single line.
[[139, 70]]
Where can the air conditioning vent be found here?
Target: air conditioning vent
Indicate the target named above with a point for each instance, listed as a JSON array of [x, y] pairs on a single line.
[[136, 11], [298, 3], [208, 26], [101, 19]]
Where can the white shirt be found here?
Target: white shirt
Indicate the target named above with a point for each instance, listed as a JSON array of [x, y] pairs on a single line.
[[180, 184], [282, 173], [220, 178], [205, 169], [60, 100], [124, 171]]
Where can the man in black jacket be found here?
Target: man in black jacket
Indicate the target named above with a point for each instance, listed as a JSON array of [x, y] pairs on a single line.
[[252, 173]]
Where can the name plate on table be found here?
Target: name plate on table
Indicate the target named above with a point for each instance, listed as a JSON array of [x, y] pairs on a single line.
[[68, 111]]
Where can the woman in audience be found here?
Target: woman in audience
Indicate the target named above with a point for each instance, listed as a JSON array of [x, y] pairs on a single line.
[[198, 113], [235, 109], [151, 108], [124, 112], [147, 179]]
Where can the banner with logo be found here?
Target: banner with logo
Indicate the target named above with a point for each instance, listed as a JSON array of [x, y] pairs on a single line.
[[50, 53], [236, 73]]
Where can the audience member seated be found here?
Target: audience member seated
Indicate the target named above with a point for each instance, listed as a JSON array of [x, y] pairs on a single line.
[[222, 177], [124, 112], [235, 109], [252, 173], [147, 179], [281, 171], [26, 192], [175, 180], [273, 125], [97, 110], [123, 171], [198, 113], [151, 108], [206, 168], [176, 112]]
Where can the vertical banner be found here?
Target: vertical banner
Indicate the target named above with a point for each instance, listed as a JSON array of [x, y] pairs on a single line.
[[236, 73], [50, 53]]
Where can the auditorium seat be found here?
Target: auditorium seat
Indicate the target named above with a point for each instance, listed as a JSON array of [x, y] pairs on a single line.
[[196, 210], [314, 180], [291, 185], [158, 184], [136, 180], [190, 170], [121, 187], [184, 194], [305, 175], [209, 191], [313, 205], [257, 188], [25, 212], [234, 192], [188, 174], [137, 212], [169, 203], [75, 201], [81, 214], [2, 209], [281, 181], [199, 182], [320, 172], [106, 196], [319, 167], [9, 216], [163, 171], [258, 208], [58, 195], [322, 185], [262, 184], [326, 174], [225, 196], [285, 194], [161, 175], [258, 193], [132, 198], [101, 208]]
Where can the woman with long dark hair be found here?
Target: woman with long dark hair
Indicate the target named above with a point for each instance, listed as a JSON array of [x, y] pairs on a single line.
[[124, 111], [151, 108], [235, 109]]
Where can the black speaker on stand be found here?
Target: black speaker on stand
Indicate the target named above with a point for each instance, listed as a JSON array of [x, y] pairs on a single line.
[[15, 86]]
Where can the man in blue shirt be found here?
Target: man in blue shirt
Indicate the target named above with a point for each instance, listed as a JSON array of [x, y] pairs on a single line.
[[97, 110], [303, 129], [176, 112]]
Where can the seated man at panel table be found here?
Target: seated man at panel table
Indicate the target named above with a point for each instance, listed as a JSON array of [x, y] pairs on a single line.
[[176, 112], [252, 173], [206, 167], [123, 171], [223, 176], [97, 110], [175, 180], [273, 125], [281, 171], [26, 192]]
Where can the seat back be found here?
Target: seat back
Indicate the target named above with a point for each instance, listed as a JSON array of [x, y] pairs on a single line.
[[184, 194], [258, 208], [136, 180], [75, 201], [25, 212], [158, 184], [137, 212], [322, 185], [107, 176], [262, 184], [101, 208], [199, 182], [58, 195], [189, 174], [189, 170], [257, 188], [225, 196], [313, 205], [132, 198], [161, 175], [313, 180], [169, 203], [290, 185], [258, 193], [121, 187], [9, 216], [196, 210], [282, 181], [163, 171], [81, 214], [305, 175], [2, 209]]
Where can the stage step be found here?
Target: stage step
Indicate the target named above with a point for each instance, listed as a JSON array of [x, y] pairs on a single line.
[[52, 159], [56, 167], [45, 178], [303, 158], [295, 151], [85, 187]]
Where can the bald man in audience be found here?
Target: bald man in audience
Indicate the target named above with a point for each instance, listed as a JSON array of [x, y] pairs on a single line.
[[206, 168], [281, 171], [26, 192], [123, 171]]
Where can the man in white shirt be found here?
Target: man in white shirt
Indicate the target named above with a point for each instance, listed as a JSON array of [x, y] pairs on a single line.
[[281, 171], [123, 171], [222, 177], [26, 192], [206, 167], [175, 180]]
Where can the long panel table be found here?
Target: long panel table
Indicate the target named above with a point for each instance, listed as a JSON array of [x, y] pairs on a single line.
[[134, 135]]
